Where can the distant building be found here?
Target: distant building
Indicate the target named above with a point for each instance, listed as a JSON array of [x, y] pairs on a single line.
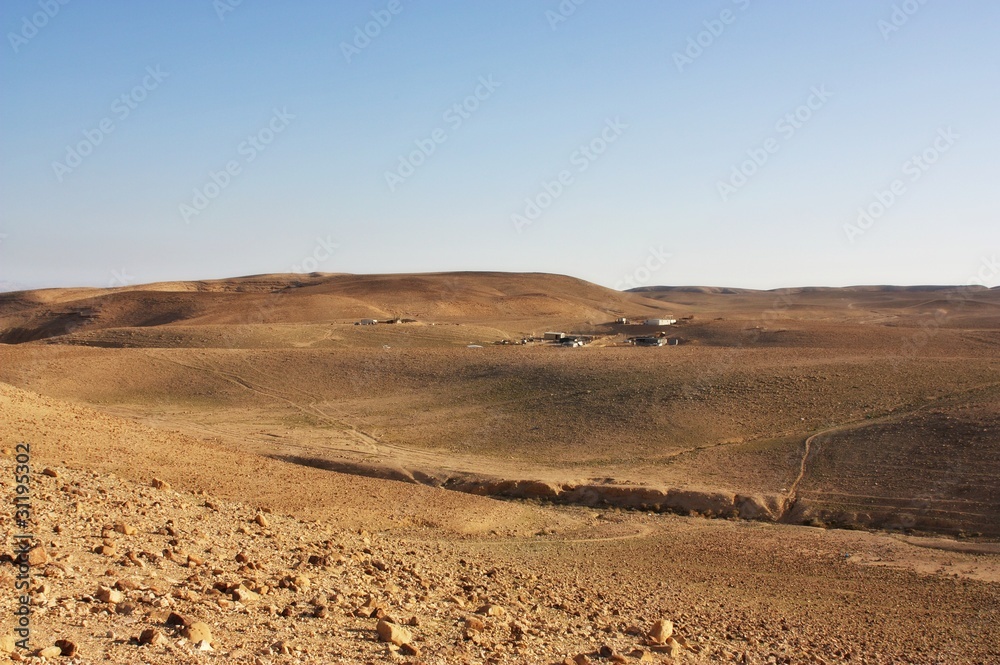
[[369, 322], [649, 341], [621, 320], [660, 322], [553, 336]]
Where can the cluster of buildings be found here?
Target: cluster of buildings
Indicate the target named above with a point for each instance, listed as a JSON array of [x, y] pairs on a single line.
[[574, 340]]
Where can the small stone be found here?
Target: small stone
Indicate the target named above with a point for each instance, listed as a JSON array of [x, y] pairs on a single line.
[[203, 645], [51, 473], [8, 643], [475, 623], [661, 631], [125, 609], [408, 649], [126, 529], [261, 520], [108, 595], [390, 632], [606, 651], [491, 610], [152, 636], [244, 595], [106, 550], [37, 556], [126, 585], [175, 619], [50, 652], [673, 647], [67, 649], [198, 631], [160, 484]]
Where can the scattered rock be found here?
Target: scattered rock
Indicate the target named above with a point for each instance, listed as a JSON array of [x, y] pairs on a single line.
[[161, 484], [50, 652], [390, 632], [37, 556], [492, 611], [125, 609], [108, 595], [261, 520], [8, 643], [175, 619], [282, 648], [244, 595], [153, 636], [66, 648], [126, 529], [51, 473], [661, 631], [198, 631]]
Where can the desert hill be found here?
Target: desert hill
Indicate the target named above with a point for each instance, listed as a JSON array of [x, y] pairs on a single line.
[[490, 298]]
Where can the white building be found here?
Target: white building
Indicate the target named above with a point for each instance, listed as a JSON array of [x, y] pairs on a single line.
[[660, 322]]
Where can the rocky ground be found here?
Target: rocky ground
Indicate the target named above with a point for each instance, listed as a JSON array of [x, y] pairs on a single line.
[[129, 572]]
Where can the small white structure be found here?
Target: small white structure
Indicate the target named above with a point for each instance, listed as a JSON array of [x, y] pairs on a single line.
[[660, 322], [553, 336], [369, 322]]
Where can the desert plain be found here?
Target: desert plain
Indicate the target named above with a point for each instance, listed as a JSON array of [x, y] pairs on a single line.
[[238, 471]]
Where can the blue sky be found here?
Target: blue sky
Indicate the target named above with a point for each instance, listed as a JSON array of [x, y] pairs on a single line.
[[628, 143]]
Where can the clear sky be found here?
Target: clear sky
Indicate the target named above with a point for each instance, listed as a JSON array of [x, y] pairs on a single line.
[[724, 142]]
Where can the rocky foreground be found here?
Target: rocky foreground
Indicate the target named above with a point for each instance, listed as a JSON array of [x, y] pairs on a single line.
[[126, 574], [130, 573]]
